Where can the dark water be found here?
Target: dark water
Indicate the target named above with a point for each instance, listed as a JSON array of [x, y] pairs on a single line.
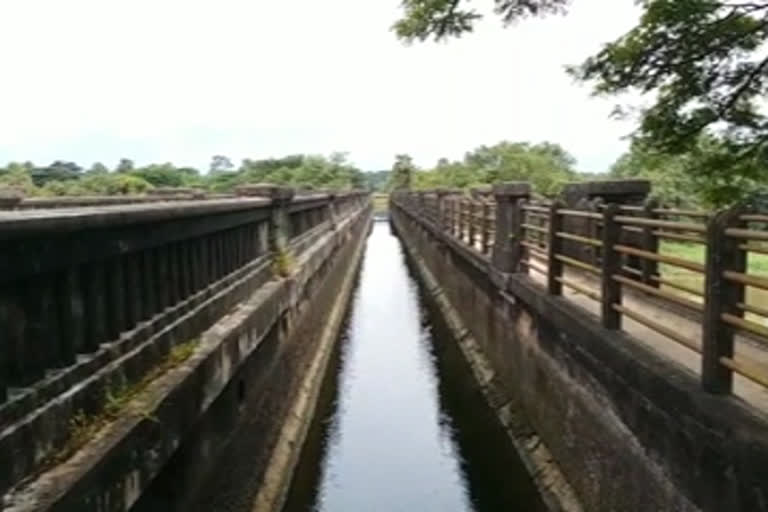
[[401, 428]]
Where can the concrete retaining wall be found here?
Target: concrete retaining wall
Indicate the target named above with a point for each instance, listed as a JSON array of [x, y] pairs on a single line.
[[249, 360], [626, 429]]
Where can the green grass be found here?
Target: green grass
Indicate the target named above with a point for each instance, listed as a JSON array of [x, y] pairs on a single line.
[[283, 263], [83, 427], [380, 203], [757, 265]]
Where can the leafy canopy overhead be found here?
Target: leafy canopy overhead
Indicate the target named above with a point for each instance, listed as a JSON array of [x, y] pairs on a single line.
[[446, 18], [704, 62]]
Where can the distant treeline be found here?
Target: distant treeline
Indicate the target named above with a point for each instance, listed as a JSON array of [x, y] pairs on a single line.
[[697, 178], [69, 179]]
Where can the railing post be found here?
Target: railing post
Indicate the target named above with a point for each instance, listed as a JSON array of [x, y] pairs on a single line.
[[555, 249], [472, 218], [281, 197], [331, 210], [456, 209], [443, 206], [420, 204], [506, 246], [611, 266], [486, 216], [650, 243], [720, 296]]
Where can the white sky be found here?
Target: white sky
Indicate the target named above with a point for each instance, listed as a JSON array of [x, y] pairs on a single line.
[[181, 80]]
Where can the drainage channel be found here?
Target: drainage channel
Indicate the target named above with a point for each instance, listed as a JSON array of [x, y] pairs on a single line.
[[400, 426]]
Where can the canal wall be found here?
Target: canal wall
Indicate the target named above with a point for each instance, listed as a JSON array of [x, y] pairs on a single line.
[[601, 422], [271, 270]]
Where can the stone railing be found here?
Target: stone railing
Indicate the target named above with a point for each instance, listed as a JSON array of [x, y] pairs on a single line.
[[72, 281], [92, 299]]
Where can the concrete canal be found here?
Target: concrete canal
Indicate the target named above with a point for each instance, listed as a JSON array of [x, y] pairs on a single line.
[[400, 427]]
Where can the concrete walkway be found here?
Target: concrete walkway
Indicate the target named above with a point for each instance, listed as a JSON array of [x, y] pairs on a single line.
[[745, 348]]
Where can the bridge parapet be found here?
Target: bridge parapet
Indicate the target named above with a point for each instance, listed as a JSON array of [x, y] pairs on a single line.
[[655, 314], [91, 298]]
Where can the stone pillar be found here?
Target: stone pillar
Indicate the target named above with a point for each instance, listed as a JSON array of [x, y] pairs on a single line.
[[421, 202], [332, 213], [506, 247], [279, 222], [442, 220], [10, 198]]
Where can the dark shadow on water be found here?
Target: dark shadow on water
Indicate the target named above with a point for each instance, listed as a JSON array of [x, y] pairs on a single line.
[[487, 474], [495, 477], [305, 485]]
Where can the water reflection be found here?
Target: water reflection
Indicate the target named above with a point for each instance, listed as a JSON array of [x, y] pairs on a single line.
[[400, 428]]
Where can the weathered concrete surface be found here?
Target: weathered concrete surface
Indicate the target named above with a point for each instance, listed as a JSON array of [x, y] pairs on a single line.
[[683, 321], [124, 458], [629, 429], [554, 489]]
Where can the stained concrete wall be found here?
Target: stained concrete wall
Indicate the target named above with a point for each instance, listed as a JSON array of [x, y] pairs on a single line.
[[627, 429], [241, 454], [251, 345]]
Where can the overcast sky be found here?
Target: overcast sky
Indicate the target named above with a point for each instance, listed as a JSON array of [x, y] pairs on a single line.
[[156, 81]]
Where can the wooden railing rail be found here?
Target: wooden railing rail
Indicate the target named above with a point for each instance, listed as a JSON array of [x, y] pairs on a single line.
[[629, 247]]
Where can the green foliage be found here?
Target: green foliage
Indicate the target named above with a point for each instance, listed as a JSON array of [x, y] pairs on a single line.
[[18, 176], [220, 163], [402, 173], [97, 168], [57, 171], [125, 165], [283, 263], [546, 166], [166, 175], [702, 61], [67, 179], [671, 184], [704, 176], [306, 171], [447, 18], [376, 180], [110, 184]]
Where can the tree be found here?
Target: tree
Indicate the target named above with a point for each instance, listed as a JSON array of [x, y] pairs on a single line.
[[547, 166], [448, 18], [125, 165], [97, 168], [57, 171], [18, 177], [703, 60], [402, 172], [166, 175], [700, 177], [220, 163]]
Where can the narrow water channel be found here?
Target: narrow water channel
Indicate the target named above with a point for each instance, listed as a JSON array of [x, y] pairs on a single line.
[[400, 426]]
